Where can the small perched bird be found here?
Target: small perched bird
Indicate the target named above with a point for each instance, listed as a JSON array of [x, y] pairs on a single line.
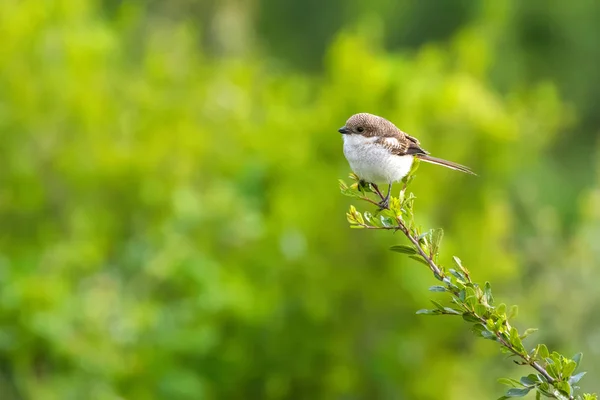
[[379, 152]]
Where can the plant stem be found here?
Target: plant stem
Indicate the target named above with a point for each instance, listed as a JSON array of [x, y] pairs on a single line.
[[434, 268], [438, 273]]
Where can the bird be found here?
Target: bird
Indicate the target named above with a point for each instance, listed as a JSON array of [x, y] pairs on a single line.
[[379, 152]]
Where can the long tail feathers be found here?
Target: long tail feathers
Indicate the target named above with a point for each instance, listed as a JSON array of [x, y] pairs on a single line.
[[446, 163]]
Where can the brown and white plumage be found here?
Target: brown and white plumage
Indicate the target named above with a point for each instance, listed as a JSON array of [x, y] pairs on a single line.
[[378, 151]]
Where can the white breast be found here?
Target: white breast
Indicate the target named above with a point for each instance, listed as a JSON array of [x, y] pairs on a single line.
[[373, 162]]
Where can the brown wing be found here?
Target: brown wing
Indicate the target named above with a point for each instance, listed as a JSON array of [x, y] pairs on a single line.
[[401, 144]]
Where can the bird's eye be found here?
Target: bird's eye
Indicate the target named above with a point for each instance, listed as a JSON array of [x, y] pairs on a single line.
[[360, 129]]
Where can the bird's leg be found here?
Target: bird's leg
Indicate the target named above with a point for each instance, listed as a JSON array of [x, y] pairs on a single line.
[[376, 189], [385, 202]]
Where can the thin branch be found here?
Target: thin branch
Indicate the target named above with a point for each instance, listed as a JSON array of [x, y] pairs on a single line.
[[440, 275], [369, 200], [434, 268]]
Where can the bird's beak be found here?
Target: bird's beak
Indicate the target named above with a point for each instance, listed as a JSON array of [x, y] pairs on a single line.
[[343, 130]]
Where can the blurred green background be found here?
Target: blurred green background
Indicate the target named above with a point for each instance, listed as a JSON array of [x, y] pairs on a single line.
[[171, 224]]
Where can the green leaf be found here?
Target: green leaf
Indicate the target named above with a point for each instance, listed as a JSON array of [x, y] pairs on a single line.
[[352, 213], [404, 249], [362, 186], [543, 351], [546, 390], [350, 218], [470, 318], [419, 259], [478, 329], [386, 221], [457, 262], [564, 387], [449, 282], [514, 311], [501, 309], [425, 311], [471, 297], [481, 310], [569, 367], [395, 206], [488, 294], [576, 378], [460, 266], [409, 177], [515, 392], [528, 332], [350, 193], [354, 177], [359, 218], [528, 381], [515, 339], [437, 288], [414, 167], [438, 305], [373, 220], [577, 358], [436, 239], [458, 275], [551, 368], [387, 213], [510, 382], [452, 311], [489, 335], [556, 358]]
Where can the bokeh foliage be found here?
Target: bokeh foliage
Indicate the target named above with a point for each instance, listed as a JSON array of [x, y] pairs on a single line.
[[171, 225]]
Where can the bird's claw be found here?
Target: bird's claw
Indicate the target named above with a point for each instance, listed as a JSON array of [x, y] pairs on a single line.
[[384, 204]]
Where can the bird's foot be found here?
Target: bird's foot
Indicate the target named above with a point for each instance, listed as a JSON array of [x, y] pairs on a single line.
[[384, 204]]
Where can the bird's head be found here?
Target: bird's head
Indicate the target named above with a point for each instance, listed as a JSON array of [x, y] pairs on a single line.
[[365, 124]]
